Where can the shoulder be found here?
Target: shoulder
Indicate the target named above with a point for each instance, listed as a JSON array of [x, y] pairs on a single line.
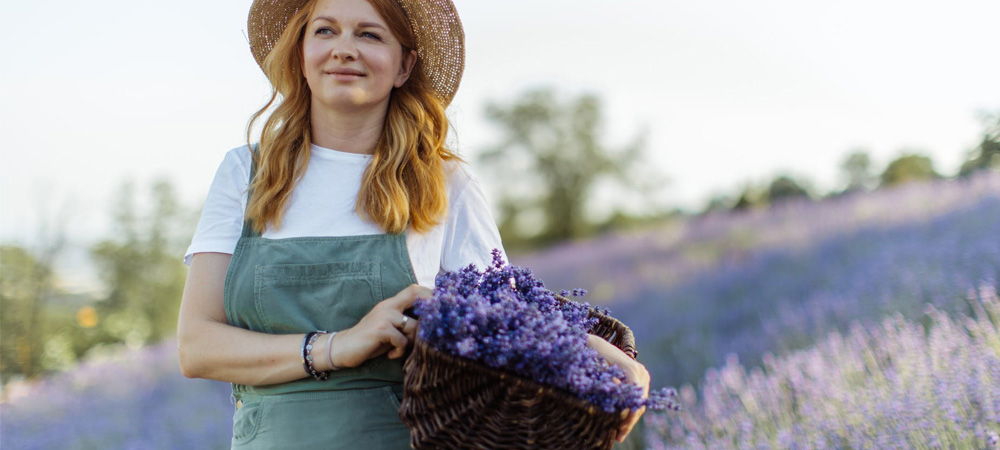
[[460, 177], [465, 192], [222, 212], [234, 170], [238, 158]]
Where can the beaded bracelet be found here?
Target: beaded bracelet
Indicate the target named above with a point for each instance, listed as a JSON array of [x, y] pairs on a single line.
[[307, 359]]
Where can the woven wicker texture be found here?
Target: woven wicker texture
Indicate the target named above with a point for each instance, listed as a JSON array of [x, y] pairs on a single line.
[[456, 403], [435, 24]]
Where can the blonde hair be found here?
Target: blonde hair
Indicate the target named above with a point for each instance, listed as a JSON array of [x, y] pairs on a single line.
[[404, 183]]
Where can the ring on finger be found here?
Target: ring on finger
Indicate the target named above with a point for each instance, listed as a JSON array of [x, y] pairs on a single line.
[[405, 319]]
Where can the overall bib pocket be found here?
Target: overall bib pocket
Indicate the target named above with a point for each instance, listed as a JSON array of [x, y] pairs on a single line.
[[298, 298]]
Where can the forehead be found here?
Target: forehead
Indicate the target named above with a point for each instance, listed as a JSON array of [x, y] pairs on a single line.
[[346, 11]]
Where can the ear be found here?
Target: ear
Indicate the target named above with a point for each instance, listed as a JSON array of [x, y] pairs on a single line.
[[409, 61]]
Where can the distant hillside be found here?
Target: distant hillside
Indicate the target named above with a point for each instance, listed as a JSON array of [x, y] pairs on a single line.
[[774, 279]]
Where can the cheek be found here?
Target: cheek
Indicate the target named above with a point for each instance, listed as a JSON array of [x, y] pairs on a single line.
[[312, 53], [393, 64]]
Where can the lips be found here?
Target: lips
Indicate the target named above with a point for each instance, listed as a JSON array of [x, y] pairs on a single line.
[[345, 71]]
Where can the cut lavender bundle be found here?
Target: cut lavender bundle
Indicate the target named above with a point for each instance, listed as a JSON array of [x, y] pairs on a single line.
[[504, 318]]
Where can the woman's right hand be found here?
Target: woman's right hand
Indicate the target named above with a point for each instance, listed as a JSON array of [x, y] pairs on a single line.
[[382, 330]]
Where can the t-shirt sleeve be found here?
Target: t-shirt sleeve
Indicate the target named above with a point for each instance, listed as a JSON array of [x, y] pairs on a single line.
[[221, 219], [470, 234]]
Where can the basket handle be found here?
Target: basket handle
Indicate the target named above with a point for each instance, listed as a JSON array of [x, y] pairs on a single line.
[[611, 330], [615, 332]]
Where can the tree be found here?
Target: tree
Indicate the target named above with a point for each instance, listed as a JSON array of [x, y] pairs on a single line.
[[27, 286], [24, 285], [142, 267], [718, 203], [909, 167], [987, 154], [785, 188], [857, 170], [554, 149], [751, 196]]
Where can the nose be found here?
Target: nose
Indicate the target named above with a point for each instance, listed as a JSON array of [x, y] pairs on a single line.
[[344, 49]]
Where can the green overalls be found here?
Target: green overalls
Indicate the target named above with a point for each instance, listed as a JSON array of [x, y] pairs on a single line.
[[298, 285]]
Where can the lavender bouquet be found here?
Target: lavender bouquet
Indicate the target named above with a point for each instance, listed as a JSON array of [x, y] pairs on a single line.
[[505, 318]]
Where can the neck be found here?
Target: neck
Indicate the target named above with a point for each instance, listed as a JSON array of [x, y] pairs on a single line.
[[353, 131]]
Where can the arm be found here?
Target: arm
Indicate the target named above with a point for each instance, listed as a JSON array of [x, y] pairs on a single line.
[[634, 370], [209, 347]]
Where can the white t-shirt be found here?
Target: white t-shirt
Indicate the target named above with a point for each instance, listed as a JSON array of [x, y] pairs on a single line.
[[323, 204]]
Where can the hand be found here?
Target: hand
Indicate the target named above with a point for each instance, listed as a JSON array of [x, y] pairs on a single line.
[[635, 373], [382, 330]]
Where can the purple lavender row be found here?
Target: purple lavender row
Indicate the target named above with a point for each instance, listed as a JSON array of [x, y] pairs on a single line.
[[774, 280], [677, 250], [504, 318], [134, 399], [898, 385]]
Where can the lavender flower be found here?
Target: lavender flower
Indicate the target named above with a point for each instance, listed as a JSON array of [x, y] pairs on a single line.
[[505, 318], [898, 385], [134, 399]]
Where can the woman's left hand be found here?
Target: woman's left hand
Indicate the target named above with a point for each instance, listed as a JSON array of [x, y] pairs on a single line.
[[635, 373]]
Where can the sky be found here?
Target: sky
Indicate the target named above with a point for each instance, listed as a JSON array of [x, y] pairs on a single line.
[[96, 93]]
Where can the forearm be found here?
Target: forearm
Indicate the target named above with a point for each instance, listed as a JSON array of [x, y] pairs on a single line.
[[223, 352], [612, 354]]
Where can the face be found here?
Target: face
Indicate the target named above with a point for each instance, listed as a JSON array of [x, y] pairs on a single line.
[[350, 57]]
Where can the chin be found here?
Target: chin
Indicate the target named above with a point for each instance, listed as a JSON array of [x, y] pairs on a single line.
[[350, 100]]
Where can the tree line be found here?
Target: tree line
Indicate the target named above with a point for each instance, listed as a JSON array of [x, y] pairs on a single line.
[[555, 153], [861, 175]]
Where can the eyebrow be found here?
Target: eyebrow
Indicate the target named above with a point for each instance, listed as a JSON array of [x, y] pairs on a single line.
[[360, 25]]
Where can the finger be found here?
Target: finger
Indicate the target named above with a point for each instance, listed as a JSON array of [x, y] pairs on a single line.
[[396, 352], [630, 422], [405, 298], [622, 433], [398, 341], [626, 427], [410, 329]]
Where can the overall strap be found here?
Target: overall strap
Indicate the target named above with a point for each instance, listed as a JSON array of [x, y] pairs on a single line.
[[248, 230]]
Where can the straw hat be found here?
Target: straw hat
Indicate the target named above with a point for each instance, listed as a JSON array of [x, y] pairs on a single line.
[[435, 24]]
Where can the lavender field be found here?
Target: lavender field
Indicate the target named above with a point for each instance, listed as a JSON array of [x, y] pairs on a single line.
[[864, 321], [132, 399], [776, 280], [899, 385]]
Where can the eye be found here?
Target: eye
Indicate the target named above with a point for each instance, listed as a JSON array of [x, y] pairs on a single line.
[[370, 35], [323, 30]]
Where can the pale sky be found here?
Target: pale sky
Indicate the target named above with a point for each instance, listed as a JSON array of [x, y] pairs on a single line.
[[93, 93]]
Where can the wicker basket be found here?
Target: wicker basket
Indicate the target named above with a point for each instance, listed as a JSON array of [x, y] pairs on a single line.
[[451, 402]]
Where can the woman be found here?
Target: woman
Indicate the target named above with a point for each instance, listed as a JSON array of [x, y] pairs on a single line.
[[312, 244]]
